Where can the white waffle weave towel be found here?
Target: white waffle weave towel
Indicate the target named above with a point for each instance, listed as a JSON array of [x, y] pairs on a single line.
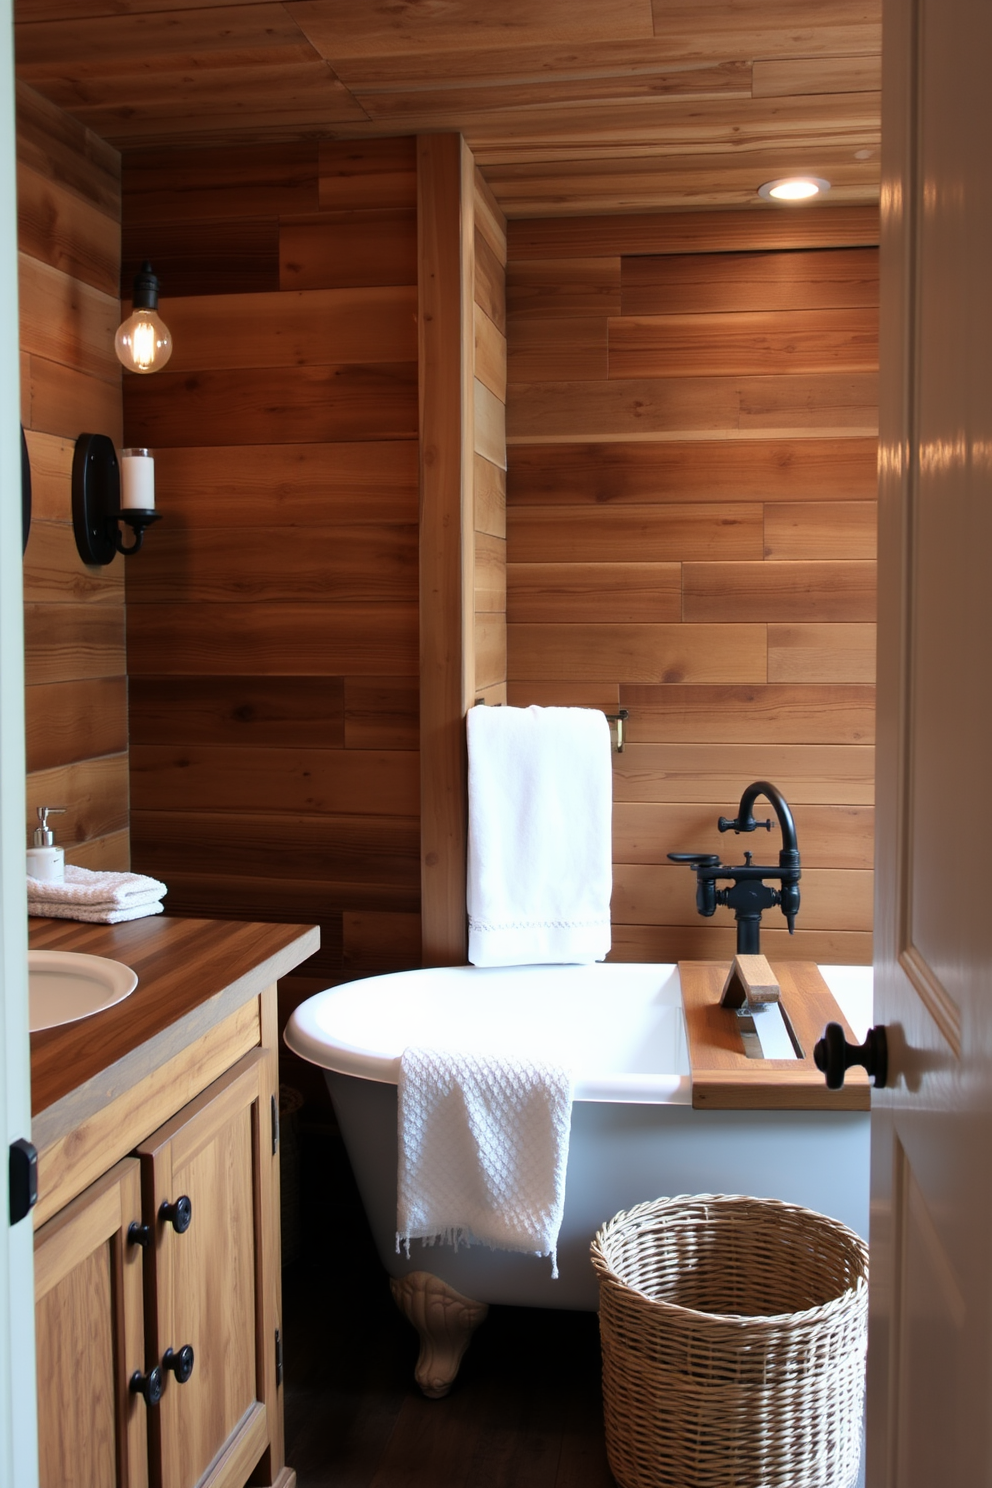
[[483, 1148], [102, 898]]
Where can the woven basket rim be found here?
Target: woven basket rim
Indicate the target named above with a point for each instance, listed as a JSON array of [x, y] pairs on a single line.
[[819, 1313]]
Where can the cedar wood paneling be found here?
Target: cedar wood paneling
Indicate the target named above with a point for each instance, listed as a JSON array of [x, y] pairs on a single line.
[[691, 535], [68, 200]]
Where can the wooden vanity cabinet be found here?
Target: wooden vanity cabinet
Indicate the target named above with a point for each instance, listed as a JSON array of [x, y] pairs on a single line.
[[204, 1281], [90, 1339], [107, 1307]]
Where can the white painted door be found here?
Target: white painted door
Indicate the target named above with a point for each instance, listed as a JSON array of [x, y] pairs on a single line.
[[18, 1432], [930, 1348]]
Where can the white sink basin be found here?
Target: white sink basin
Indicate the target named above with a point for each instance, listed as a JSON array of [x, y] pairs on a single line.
[[63, 986]]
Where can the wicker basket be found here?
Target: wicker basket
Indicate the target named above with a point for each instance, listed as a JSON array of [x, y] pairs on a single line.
[[734, 1333]]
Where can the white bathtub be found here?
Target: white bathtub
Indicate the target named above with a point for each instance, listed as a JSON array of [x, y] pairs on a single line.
[[634, 1134]]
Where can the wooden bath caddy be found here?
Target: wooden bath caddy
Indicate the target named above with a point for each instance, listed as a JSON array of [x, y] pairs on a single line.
[[725, 1079]]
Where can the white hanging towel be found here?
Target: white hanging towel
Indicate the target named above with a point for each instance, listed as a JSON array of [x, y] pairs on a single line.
[[483, 1147], [540, 804]]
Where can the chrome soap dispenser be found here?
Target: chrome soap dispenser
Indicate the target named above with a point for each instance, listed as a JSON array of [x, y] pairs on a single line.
[[45, 860]]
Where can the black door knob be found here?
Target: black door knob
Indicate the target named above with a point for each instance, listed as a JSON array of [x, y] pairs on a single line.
[[835, 1056], [179, 1214], [149, 1385], [180, 1363], [138, 1234]]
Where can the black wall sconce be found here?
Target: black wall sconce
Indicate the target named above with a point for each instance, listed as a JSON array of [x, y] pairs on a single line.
[[97, 511]]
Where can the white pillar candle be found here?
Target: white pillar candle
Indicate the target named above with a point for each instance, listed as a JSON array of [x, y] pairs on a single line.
[[138, 479]]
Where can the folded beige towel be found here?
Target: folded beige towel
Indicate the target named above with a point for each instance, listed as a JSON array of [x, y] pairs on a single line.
[[98, 897]]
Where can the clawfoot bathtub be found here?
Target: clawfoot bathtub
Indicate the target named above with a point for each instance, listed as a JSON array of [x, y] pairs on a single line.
[[635, 1135]]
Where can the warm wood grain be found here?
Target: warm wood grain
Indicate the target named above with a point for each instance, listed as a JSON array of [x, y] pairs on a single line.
[[64, 642], [490, 355], [545, 289], [377, 941], [237, 710], [382, 713], [697, 283], [445, 321], [821, 653], [490, 574], [781, 77], [50, 458], [561, 349], [332, 23], [70, 721], [665, 894], [724, 1078], [65, 152], [173, 184], [57, 227], [829, 836], [624, 409], [111, 853], [489, 491], [336, 250], [93, 791], [490, 424], [750, 343], [294, 328], [364, 849], [490, 280], [728, 470], [692, 232], [663, 533], [319, 899], [602, 652], [814, 591], [355, 174], [67, 320], [204, 258], [54, 572], [813, 530], [192, 974], [248, 406], [488, 221], [296, 485], [490, 652], [818, 773], [828, 713], [843, 403], [63, 400], [288, 781], [86, 1422], [283, 640], [572, 592], [708, 941], [343, 565]]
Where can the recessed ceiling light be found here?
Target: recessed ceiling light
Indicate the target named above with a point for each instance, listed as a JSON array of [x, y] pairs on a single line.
[[794, 188]]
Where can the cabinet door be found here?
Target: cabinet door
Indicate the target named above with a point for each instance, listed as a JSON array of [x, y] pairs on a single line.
[[203, 1288], [90, 1339]]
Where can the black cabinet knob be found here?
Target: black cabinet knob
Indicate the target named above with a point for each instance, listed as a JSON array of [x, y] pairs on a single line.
[[149, 1385], [138, 1234], [180, 1363], [179, 1214], [834, 1056]]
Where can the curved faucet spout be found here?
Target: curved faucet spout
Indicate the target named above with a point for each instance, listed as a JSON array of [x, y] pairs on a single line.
[[745, 822]]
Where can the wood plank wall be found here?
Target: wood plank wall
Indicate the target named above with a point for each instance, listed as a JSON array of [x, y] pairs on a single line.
[[272, 620], [68, 200], [489, 470], [691, 535]]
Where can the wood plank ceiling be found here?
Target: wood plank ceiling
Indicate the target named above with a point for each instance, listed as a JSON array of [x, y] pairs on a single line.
[[569, 106]]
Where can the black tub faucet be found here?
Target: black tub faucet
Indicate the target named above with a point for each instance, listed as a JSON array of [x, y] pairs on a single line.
[[749, 895]]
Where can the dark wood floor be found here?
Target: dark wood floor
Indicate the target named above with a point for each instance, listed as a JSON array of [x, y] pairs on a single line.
[[525, 1411]]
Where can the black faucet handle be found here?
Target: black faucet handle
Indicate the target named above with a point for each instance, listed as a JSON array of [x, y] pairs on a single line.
[[704, 860], [734, 824]]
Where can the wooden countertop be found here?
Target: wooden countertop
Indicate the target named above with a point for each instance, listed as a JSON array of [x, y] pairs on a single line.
[[190, 972]]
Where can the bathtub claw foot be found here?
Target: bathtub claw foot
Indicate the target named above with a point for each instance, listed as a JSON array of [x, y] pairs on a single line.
[[445, 1321]]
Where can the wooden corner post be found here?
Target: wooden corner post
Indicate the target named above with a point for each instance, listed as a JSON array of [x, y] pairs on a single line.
[[445, 252]]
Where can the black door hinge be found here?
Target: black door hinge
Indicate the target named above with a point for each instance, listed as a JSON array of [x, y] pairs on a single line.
[[23, 1175], [278, 1358]]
